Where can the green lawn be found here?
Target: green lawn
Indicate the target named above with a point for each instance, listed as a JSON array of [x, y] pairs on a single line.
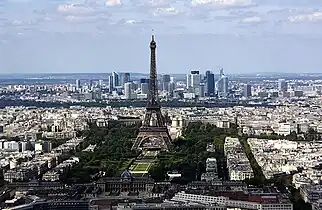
[[142, 167], [125, 165], [149, 154]]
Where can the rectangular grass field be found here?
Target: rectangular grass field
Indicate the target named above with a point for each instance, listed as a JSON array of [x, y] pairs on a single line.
[[142, 167]]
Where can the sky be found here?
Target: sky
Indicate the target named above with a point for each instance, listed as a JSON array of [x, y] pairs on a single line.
[[83, 36]]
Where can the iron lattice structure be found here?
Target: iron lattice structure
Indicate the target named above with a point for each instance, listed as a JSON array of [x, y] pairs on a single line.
[[153, 135], [153, 106]]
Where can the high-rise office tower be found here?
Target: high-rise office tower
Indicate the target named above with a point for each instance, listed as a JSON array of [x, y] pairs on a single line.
[[110, 83], [115, 77], [165, 82], [124, 78], [247, 90], [166, 78], [121, 79], [144, 88], [210, 84], [90, 83], [127, 77], [221, 72], [193, 82], [226, 87], [144, 80], [195, 79], [222, 84], [172, 87], [128, 90], [282, 85], [78, 84], [201, 90], [188, 85], [100, 83], [173, 79], [206, 74], [135, 85]]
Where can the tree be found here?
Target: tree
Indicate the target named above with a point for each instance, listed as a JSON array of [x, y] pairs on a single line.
[[189, 154], [113, 151]]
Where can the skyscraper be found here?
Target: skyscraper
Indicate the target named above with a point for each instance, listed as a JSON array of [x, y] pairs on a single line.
[[172, 79], [90, 83], [128, 90], [282, 85], [110, 83], [247, 90], [193, 82], [226, 87], [222, 84], [127, 77], [115, 77], [201, 90], [144, 88], [221, 72], [210, 84], [205, 77], [172, 87], [100, 83], [166, 78], [165, 82], [144, 80], [188, 85], [195, 79], [124, 78], [78, 84]]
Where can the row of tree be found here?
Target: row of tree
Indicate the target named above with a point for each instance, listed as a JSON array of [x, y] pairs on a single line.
[[121, 103], [310, 135]]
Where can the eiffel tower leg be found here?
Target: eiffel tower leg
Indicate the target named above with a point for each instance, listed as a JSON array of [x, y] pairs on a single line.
[[147, 119], [160, 122]]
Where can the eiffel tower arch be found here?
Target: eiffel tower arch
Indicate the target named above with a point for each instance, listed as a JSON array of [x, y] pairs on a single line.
[[153, 133]]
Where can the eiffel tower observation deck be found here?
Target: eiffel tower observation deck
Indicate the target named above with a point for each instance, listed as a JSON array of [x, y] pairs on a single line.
[[154, 134]]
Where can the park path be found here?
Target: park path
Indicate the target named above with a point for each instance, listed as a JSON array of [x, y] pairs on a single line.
[[142, 164]]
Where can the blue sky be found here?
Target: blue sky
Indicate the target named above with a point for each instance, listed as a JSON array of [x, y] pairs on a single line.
[[56, 36]]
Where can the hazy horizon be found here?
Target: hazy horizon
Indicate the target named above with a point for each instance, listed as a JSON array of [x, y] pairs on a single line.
[[101, 36], [159, 73]]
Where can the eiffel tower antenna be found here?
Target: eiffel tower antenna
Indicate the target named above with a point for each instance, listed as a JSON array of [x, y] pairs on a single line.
[[153, 35], [154, 133]]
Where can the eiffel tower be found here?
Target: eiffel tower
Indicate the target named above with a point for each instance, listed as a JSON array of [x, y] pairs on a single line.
[[153, 133]]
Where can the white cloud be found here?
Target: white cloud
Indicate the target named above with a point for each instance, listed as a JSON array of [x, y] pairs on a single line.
[[80, 19], [111, 3], [154, 3], [254, 19], [74, 9], [222, 3], [195, 15], [313, 17], [17, 22], [47, 19], [131, 22], [170, 11], [19, 1]]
